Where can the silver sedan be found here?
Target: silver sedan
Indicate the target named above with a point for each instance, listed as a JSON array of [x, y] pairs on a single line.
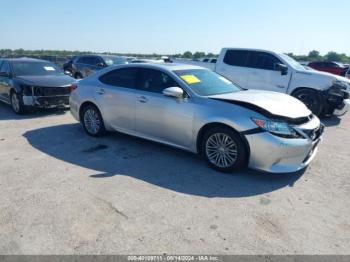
[[195, 109]]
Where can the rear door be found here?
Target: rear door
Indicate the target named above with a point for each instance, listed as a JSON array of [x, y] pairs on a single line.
[[161, 117], [263, 74], [116, 98], [234, 67]]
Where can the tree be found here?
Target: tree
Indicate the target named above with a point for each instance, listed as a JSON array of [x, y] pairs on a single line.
[[334, 56], [314, 55], [187, 54], [198, 55]]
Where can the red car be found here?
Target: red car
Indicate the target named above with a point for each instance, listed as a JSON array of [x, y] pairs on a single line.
[[330, 67]]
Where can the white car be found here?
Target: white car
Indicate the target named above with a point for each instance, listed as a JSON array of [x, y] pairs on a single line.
[[322, 92]]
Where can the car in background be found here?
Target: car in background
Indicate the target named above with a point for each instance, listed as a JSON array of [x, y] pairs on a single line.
[[83, 65], [195, 109], [329, 67], [323, 93], [28, 82]]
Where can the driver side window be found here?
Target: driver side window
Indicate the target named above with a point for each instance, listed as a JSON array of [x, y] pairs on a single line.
[[155, 81]]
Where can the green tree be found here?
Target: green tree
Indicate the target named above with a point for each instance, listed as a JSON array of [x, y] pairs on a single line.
[[187, 54], [198, 55], [314, 55]]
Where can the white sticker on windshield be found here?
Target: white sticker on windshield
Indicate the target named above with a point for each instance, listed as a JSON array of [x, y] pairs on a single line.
[[225, 80], [49, 68]]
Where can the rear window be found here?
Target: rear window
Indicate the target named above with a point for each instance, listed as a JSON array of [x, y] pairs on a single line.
[[124, 77]]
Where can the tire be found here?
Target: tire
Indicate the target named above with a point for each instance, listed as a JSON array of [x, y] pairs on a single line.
[[17, 103], [92, 121], [311, 98], [78, 76], [231, 157]]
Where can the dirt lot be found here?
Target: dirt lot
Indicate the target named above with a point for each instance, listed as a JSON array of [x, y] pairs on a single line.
[[62, 192]]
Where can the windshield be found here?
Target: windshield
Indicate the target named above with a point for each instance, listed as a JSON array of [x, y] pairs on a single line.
[[35, 69], [296, 65], [205, 83], [114, 60]]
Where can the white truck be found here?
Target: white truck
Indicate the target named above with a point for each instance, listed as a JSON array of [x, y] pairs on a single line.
[[323, 93]]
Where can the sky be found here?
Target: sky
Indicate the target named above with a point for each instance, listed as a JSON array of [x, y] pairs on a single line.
[[175, 26]]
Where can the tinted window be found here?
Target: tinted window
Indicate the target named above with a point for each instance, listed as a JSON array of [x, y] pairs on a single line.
[[89, 60], [236, 57], [213, 61], [124, 77], [261, 60], [5, 67], [205, 60], [155, 81]]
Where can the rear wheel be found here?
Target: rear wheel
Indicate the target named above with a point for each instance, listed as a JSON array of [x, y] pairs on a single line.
[[311, 98], [92, 121], [17, 103], [223, 149]]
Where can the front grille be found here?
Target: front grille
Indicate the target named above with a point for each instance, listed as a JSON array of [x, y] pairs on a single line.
[[51, 91]]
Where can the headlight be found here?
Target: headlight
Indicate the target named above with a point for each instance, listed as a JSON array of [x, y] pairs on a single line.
[[277, 128], [340, 84]]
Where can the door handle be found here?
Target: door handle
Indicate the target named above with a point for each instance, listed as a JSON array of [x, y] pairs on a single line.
[[142, 99], [101, 91]]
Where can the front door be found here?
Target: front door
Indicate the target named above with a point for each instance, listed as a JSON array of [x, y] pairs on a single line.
[[263, 74], [160, 117]]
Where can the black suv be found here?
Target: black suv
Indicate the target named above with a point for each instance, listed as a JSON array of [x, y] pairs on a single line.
[[83, 65], [27, 82]]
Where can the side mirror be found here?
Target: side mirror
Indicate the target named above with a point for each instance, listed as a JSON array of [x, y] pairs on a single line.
[[282, 68], [174, 92], [4, 74], [101, 65]]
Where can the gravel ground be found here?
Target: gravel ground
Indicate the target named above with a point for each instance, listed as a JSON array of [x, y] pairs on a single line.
[[62, 192]]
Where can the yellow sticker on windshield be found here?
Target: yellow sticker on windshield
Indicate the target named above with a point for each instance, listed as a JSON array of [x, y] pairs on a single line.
[[190, 79]]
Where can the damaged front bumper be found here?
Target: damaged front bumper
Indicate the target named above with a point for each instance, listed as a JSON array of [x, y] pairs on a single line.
[[337, 100], [46, 96], [46, 101]]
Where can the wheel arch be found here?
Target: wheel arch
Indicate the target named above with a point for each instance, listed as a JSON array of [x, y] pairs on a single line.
[[85, 104], [208, 126]]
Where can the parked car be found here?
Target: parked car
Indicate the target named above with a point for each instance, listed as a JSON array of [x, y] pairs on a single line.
[[195, 109], [347, 75], [83, 65], [330, 67], [27, 82], [323, 93]]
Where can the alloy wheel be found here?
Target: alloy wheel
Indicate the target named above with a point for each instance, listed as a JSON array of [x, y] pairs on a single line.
[[92, 121], [221, 150]]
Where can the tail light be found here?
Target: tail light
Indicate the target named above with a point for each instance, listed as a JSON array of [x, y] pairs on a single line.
[[73, 87]]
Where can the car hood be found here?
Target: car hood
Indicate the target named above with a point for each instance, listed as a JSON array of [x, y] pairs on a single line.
[[325, 74], [47, 81], [275, 104]]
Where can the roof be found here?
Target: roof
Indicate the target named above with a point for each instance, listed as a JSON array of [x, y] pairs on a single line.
[[167, 66], [24, 59]]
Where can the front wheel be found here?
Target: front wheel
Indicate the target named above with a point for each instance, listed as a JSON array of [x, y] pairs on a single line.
[[92, 121], [17, 103], [311, 98], [223, 149]]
